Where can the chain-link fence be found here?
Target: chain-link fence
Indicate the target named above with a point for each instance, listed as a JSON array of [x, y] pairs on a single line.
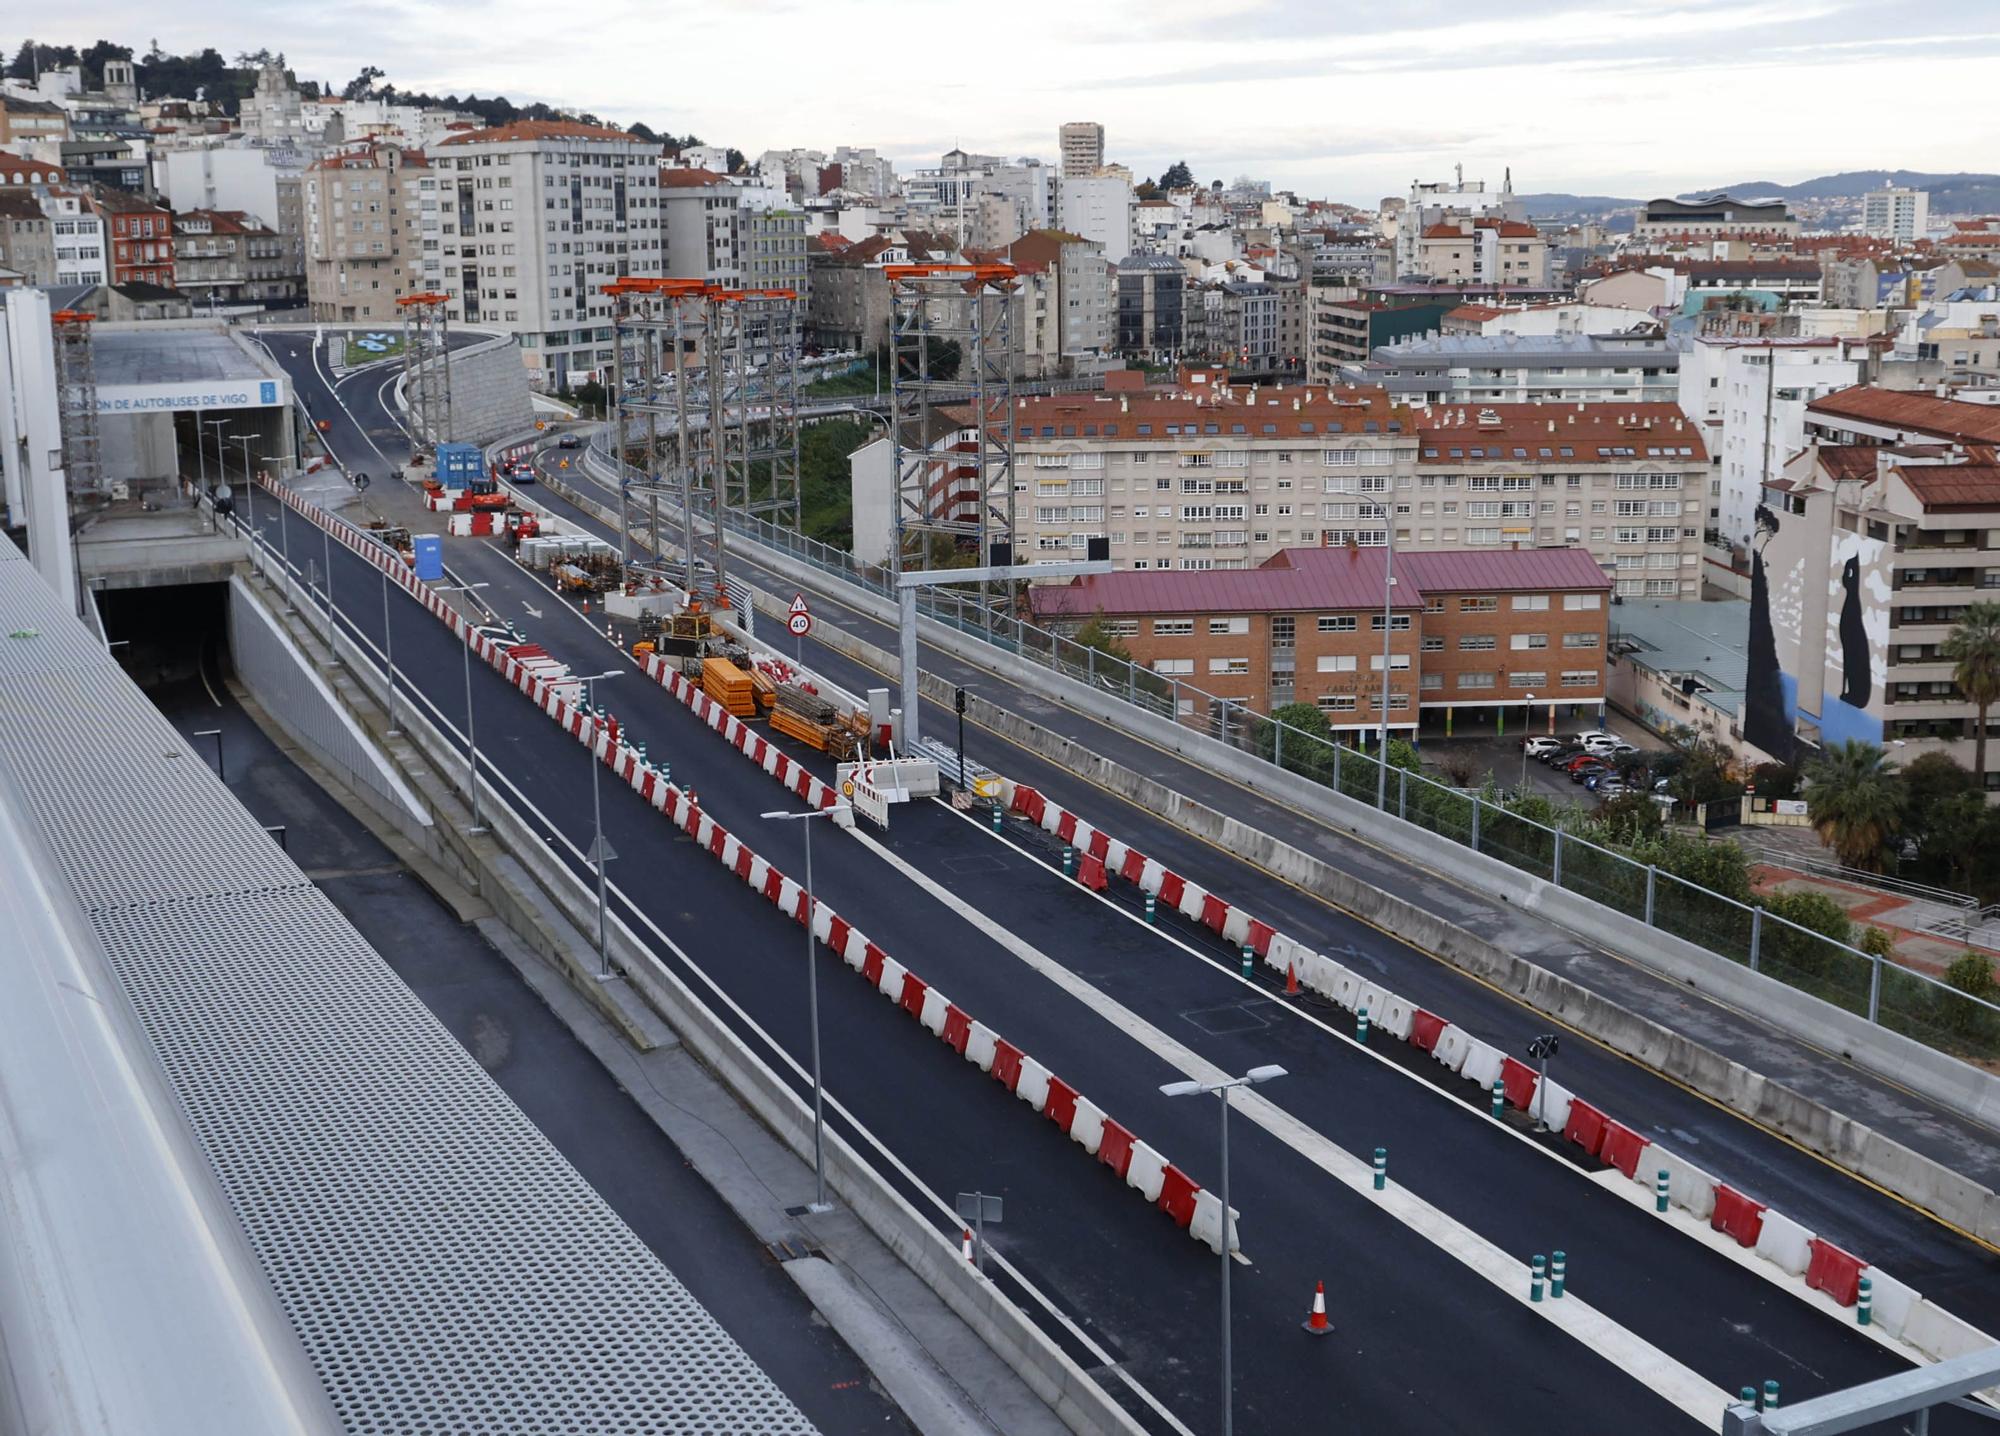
[[1904, 1000]]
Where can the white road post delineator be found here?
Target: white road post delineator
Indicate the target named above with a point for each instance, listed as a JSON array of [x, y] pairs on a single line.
[[907, 585]]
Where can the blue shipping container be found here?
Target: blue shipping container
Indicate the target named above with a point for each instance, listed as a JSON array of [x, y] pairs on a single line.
[[459, 463], [430, 557]]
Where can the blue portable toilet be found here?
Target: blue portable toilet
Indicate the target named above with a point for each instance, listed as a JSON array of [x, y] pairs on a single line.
[[430, 556]]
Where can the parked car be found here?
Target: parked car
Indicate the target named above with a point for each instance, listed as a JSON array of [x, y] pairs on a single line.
[[1585, 769], [1541, 747], [1576, 760], [1602, 742], [1660, 785], [1587, 734], [1568, 753]]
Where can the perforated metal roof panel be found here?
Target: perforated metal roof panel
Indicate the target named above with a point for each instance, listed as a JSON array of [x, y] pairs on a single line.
[[445, 1268]]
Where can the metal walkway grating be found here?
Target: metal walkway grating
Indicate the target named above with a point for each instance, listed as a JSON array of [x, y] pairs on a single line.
[[445, 1268]]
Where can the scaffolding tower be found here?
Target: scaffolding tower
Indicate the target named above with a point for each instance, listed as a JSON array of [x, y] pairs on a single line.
[[721, 433], [427, 366], [76, 403], [950, 423]]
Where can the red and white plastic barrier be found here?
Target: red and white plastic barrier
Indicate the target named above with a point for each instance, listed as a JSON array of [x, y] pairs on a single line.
[[1774, 1237], [1138, 1165], [793, 775]]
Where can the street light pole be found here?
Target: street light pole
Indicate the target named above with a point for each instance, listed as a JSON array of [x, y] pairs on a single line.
[[1527, 733], [600, 851], [471, 744], [819, 1203], [389, 652], [1221, 1091], [1386, 509]]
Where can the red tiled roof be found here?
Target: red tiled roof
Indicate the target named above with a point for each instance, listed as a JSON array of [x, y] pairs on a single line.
[[1954, 486], [541, 130], [1481, 312], [1327, 579], [680, 177], [1498, 429], [371, 158], [1320, 411], [11, 164], [1913, 413]]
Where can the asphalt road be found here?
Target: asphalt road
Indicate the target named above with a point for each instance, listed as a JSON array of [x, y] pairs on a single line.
[[1422, 1343]]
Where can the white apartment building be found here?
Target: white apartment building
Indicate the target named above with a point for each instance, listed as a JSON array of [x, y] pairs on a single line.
[[1437, 202], [1519, 368], [1099, 208], [535, 218], [1749, 397], [1896, 213], [698, 221], [1082, 146], [82, 255]]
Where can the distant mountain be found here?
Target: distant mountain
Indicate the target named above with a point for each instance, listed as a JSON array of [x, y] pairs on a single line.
[[1961, 193]]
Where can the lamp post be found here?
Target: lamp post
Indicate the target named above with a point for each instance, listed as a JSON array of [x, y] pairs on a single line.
[[250, 488], [1221, 1091], [600, 851], [820, 1203], [471, 746], [1387, 509], [1527, 736], [389, 653]]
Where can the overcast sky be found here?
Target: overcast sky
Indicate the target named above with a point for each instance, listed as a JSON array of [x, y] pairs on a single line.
[[1338, 100]]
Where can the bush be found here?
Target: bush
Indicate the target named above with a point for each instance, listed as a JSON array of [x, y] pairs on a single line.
[[1786, 947], [1972, 974], [1877, 943]]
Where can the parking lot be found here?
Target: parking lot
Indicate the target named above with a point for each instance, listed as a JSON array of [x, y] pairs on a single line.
[[1501, 755]]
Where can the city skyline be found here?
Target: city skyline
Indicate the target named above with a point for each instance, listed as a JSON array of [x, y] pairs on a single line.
[[1232, 89]]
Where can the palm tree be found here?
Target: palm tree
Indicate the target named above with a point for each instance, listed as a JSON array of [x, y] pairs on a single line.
[[1856, 801], [1974, 649]]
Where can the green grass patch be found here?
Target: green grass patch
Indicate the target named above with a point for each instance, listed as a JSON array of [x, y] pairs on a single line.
[[368, 346]]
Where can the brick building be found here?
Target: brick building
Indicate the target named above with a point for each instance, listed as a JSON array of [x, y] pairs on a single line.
[[1515, 632], [140, 234]]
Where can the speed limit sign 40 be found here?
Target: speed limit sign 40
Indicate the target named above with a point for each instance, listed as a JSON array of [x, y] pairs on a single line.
[[799, 621]]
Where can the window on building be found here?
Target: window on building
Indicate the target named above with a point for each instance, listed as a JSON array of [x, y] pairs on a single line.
[[1336, 663], [1479, 603], [1475, 680], [1240, 624], [1173, 627], [1398, 622]]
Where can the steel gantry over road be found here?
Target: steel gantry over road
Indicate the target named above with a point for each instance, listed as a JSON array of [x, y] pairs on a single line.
[[723, 365], [951, 424]]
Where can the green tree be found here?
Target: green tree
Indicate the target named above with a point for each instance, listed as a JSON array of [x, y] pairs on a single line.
[[1718, 866], [1775, 780], [1877, 943], [1701, 769], [1973, 647], [1176, 176], [1857, 803], [1949, 840], [1307, 747], [1972, 973], [1628, 820]]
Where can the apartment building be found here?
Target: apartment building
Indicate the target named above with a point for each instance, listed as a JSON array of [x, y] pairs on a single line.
[[1343, 328], [1098, 207], [140, 236], [1749, 396], [698, 220], [1873, 550], [1517, 368], [372, 233], [1149, 303], [82, 253], [1063, 316], [1483, 250], [1082, 146], [265, 181], [1625, 483], [24, 122], [229, 257], [27, 243], [1896, 212], [771, 247], [1203, 475], [536, 218], [1468, 636], [848, 303]]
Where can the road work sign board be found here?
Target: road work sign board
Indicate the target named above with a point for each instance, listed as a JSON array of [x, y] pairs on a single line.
[[868, 800]]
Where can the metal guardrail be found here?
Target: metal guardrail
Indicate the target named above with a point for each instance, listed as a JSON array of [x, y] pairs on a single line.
[[1905, 1000], [1881, 882]]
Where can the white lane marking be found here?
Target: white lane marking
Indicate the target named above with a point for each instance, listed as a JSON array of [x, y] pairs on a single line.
[[1775, 1275], [1666, 1377], [581, 883], [334, 389]]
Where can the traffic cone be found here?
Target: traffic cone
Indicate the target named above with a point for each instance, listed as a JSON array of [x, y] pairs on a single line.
[[965, 1245], [1315, 1324], [1292, 980]]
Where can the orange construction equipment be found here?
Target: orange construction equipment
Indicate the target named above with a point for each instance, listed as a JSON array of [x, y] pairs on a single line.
[[1315, 1322]]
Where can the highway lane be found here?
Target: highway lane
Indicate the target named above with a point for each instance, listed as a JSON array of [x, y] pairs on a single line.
[[1962, 1274], [1295, 1206], [1138, 1284], [1959, 1143]]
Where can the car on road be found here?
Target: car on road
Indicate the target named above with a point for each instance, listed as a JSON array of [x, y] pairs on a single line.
[[1540, 747], [570, 441]]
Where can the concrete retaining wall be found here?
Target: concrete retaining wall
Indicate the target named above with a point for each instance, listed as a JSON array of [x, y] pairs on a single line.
[[489, 392]]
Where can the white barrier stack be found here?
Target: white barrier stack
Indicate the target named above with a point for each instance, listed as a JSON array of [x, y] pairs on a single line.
[[1207, 1224], [1688, 1186], [1452, 1045], [1482, 1063], [1892, 1300], [1147, 1173]]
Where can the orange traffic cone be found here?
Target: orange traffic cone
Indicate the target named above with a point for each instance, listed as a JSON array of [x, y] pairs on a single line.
[[1292, 980], [965, 1245], [1315, 1324]]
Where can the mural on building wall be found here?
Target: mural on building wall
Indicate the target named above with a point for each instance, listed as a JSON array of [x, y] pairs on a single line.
[[1857, 639], [1768, 704]]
